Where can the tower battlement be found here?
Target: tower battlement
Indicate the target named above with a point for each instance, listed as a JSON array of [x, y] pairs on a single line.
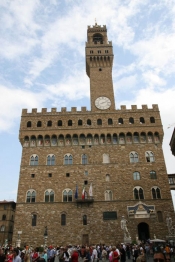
[[64, 110]]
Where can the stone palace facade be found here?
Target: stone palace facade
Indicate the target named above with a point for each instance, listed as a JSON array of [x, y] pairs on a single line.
[[113, 157]]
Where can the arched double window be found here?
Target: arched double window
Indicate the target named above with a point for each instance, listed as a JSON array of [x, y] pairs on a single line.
[[99, 122], [156, 193], [67, 195], [31, 196], [138, 193], [149, 156], [34, 160], [133, 156], [84, 159], [108, 195], [49, 195], [136, 175], [50, 160], [68, 159]]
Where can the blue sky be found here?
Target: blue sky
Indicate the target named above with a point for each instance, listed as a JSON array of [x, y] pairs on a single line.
[[42, 63]]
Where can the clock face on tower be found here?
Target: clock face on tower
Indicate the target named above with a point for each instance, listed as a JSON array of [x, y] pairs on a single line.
[[102, 102]]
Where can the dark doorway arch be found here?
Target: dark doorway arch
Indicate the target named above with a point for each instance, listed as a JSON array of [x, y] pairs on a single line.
[[143, 231]]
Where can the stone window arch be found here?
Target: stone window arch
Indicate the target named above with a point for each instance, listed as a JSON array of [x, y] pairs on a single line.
[[34, 220], [114, 138], [102, 139], [33, 141], [121, 138], [136, 175], [30, 196], [128, 138], [89, 122], [61, 140], [134, 157], [131, 120], [63, 219], [2, 228], [138, 193], [49, 195], [89, 139], [143, 137], [39, 124], [150, 137], [149, 156], [153, 174], [142, 120], [156, 192], [4, 217], [97, 38], [110, 121], [80, 122], [68, 140], [136, 137], [108, 195], [29, 124], [34, 160], [108, 139], [120, 121], [84, 159], [99, 122], [67, 195], [96, 139], [156, 137], [49, 123], [106, 158], [68, 159], [50, 160], [69, 123], [54, 140], [107, 178], [152, 120], [60, 123], [40, 140], [47, 140], [84, 220], [75, 139]]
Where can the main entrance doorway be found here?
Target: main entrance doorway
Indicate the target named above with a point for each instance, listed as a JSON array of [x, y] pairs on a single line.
[[143, 231], [85, 240]]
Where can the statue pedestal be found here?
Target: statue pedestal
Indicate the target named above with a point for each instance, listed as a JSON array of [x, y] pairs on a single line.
[[127, 240]]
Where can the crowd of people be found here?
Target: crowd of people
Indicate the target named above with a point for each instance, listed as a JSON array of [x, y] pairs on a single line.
[[93, 253]]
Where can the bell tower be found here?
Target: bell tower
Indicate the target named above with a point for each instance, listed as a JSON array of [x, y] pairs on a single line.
[[99, 61]]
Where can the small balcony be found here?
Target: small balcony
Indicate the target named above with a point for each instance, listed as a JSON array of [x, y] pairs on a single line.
[[86, 201]]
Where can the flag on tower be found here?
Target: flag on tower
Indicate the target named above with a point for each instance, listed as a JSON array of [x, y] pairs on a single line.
[[83, 193], [90, 190], [76, 192]]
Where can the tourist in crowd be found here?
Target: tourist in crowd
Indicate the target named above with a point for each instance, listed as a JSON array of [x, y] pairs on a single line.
[[74, 255], [16, 257], [2, 255]]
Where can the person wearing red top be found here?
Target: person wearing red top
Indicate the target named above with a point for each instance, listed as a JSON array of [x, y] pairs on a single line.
[[35, 255], [115, 255], [74, 256]]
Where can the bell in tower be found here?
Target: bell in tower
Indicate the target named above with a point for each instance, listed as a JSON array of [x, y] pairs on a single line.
[[99, 61]]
